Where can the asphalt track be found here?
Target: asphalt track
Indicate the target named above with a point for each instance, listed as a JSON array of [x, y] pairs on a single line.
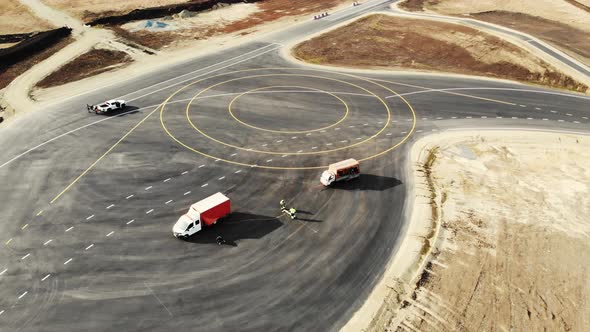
[[101, 256]]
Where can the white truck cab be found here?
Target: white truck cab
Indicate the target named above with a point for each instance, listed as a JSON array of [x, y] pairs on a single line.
[[341, 171], [186, 226]]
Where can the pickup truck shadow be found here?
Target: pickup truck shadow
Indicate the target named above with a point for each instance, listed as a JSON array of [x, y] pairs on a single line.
[[367, 182], [126, 111], [237, 226]]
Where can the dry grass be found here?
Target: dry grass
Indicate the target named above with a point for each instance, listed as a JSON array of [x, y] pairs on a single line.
[[88, 64], [381, 41], [16, 18]]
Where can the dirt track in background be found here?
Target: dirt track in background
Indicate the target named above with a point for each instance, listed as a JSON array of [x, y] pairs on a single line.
[[88, 64], [381, 41]]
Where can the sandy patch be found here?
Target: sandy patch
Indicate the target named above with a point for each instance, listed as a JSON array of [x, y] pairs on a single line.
[[384, 41], [512, 246], [84, 9], [17, 18]]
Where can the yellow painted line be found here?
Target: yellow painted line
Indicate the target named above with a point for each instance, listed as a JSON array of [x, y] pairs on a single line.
[[7, 242], [39, 213], [285, 131], [288, 152], [25, 226], [448, 92], [104, 154], [162, 110]]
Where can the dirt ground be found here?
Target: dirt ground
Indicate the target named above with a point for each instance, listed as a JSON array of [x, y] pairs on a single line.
[[89, 9], [236, 18], [382, 41], [511, 253], [562, 23], [12, 72], [88, 64], [16, 18]]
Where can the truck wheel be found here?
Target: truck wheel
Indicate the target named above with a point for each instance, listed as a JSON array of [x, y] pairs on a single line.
[[123, 106]]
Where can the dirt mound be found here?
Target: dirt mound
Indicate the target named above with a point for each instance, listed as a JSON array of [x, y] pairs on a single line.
[[88, 64], [30, 46], [382, 41]]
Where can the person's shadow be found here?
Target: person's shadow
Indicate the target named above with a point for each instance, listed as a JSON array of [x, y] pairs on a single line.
[[302, 213], [366, 182], [235, 227]]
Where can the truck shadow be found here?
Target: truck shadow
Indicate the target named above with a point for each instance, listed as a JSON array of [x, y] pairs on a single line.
[[237, 226], [367, 182]]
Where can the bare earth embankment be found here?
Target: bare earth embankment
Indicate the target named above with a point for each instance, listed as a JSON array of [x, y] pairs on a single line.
[[561, 23], [383, 41], [512, 248], [17, 18]]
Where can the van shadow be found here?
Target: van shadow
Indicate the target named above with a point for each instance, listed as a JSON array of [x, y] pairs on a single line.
[[235, 227], [366, 182]]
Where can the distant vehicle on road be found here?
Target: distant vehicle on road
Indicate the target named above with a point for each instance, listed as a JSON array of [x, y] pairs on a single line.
[[107, 106], [205, 212], [343, 170]]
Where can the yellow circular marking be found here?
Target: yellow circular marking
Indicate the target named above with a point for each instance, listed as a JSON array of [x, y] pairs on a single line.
[[287, 152], [162, 109], [286, 131]]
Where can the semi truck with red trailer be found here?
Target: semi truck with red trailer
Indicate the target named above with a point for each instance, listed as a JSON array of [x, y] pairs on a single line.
[[205, 212]]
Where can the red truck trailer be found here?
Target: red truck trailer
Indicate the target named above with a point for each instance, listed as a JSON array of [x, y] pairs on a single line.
[[205, 212]]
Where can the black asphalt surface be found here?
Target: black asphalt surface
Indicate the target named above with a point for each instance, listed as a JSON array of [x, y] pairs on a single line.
[[102, 257]]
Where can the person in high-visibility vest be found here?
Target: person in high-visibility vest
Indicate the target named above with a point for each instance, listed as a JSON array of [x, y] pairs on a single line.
[[292, 213]]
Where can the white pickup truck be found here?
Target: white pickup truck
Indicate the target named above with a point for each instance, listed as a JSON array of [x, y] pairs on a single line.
[[107, 106]]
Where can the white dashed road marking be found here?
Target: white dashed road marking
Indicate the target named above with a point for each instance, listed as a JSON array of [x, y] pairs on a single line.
[[585, 117], [233, 154], [522, 105], [130, 221], [128, 197], [111, 233], [186, 193], [514, 118], [149, 211], [484, 117], [314, 147], [538, 108], [205, 185], [22, 295], [168, 202], [545, 119], [47, 242], [90, 246], [110, 206], [568, 114], [201, 166], [89, 217], [25, 256], [183, 173], [69, 260], [468, 117], [45, 278], [329, 144], [560, 120], [148, 188], [69, 229], [168, 179], [238, 171], [221, 178], [1, 273]]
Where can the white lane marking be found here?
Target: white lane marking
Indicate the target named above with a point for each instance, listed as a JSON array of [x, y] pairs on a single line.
[[359, 138], [388, 134], [314, 147], [252, 166], [10, 240], [439, 118], [238, 171], [283, 156], [47, 242], [280, 141], [186, 193], [1, 312], [216, 160], [233, 154], [350, 126], [515, 118], [294, 137], [468, 117], [128, 197], [200, 75], [419, 130], [484, 117], [308, 134], [168, 179], [268, 161], [453, 117], [111, 233], [264, 144], [90, 246], [434, 129], [576, 121], [25, 256], [24, 226], [529, 118], [343, 141], [553, 111], [45, 278], [336, 128], [568, 114], [545, 119], [23, 294], [89, 217], [201, 166], [110, 206], [380, 122], [183, 173], [205, 185], [148, 188], [424, 119], [560, 120], [69, 229], [585, 117], [130, 221], [299, 151], [168, 202], [149, 211], [1, 273], [221, 178], [69, 260], [522, 105], [365, 124], [323, 131], [538, 108], [404, 132], [328, 144]]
